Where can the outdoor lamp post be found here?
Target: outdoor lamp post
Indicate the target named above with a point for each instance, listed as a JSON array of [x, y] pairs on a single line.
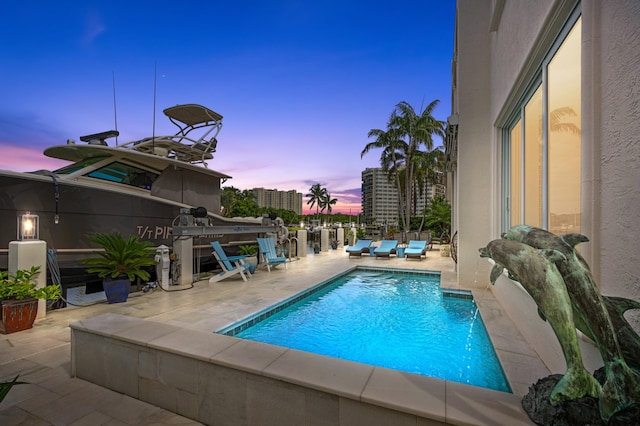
[[28, 227], [30, 251]]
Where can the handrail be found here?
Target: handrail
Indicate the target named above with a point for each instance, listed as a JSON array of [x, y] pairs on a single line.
[[290, 240]]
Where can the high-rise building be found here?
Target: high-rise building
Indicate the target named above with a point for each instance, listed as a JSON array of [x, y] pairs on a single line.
[[287, 200], [380, 203], [431, 189], [379, 198]]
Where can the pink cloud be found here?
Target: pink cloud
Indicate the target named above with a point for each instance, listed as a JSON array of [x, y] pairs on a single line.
[[21, 159]]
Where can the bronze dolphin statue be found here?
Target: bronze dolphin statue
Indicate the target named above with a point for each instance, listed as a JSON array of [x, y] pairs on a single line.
[[622, 385], [628, 339], [541, 279]]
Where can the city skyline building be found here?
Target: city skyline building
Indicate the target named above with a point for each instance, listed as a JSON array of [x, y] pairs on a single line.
[[380, 202], [286, 200]]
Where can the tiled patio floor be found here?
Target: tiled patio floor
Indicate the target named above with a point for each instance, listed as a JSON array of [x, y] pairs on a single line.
[[42, 355]]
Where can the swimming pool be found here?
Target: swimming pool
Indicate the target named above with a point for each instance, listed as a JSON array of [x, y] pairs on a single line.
[[384, 317]]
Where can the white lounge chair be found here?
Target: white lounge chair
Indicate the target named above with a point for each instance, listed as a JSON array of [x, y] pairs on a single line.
[[230, 265]]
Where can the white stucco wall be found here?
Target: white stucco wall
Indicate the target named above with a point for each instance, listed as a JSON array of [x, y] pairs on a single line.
[[617, 50], [512, 44], [476, 162], [493, 70], [490, 64]]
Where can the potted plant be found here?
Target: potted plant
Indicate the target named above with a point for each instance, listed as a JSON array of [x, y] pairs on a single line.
[[251, 251], [19, 299], [121, 262]]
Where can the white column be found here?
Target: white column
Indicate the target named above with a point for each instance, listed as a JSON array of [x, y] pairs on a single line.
[[302, 242], [340, 236], [324, 239], [24, 255]]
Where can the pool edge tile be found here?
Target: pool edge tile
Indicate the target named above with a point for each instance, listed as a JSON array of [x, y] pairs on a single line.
[[323, 373], [423, 396], [247, 355], [479, 406], [198, 344]]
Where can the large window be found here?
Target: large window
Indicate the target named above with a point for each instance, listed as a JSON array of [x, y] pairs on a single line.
[[543, 144]]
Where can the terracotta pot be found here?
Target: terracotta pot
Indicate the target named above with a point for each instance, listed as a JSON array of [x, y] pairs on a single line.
[[17, 315]]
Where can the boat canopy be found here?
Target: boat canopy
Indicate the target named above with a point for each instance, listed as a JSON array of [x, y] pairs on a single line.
[[183, 146], [192, 114]]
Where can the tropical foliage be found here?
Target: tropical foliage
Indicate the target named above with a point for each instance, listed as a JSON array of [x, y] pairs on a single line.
[[237, 203], [321, 198], [328, 202], [5, 387], [408, 152], [248, 250], [316, 196], [22, 285], [438, 215], [121, 257]]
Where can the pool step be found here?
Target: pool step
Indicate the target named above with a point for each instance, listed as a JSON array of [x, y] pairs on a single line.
[[460, 294]]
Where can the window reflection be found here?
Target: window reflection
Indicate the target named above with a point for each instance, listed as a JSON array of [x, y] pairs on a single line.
[[516, 173], [554, 148], [533, 160], [564, 135]]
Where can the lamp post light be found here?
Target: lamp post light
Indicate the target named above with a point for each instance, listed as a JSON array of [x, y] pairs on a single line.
[[30, 251], [28, 227]]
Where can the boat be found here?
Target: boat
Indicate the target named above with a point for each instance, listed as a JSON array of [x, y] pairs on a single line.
[[135, 188]]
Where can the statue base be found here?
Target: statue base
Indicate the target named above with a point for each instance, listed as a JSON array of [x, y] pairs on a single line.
[[582, 411]]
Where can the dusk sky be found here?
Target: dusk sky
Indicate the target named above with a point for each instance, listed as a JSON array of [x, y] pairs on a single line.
[[299, 83]]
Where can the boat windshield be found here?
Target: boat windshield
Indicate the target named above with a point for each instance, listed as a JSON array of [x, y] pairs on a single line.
[[72, 168], [125, 174], [114, 172]]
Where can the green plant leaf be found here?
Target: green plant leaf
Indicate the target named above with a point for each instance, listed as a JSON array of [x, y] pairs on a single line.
[[121, 257], [5, 387]]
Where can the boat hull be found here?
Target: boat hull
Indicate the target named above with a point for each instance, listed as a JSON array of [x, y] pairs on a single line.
[[84, 210]]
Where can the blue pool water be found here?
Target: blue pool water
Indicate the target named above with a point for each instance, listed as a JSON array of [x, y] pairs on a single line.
[[389, 319]]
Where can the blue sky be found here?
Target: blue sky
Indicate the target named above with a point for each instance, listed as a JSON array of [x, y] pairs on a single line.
[[299, 83]]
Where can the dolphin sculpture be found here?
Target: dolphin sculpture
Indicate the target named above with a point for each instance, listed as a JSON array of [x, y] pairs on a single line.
[[621, 388], [628, 339], [541, 279]]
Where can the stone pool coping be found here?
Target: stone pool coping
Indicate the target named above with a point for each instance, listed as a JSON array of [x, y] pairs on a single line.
[[218, 379]]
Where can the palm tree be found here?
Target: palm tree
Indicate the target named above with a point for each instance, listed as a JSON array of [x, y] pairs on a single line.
[[407, 132], [427, 165], [419, 130], [230, 195], [557, 123], [316, 195], [327, 202]]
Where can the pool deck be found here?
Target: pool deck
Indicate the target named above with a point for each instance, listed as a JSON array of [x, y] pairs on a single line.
[[41, 355]]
